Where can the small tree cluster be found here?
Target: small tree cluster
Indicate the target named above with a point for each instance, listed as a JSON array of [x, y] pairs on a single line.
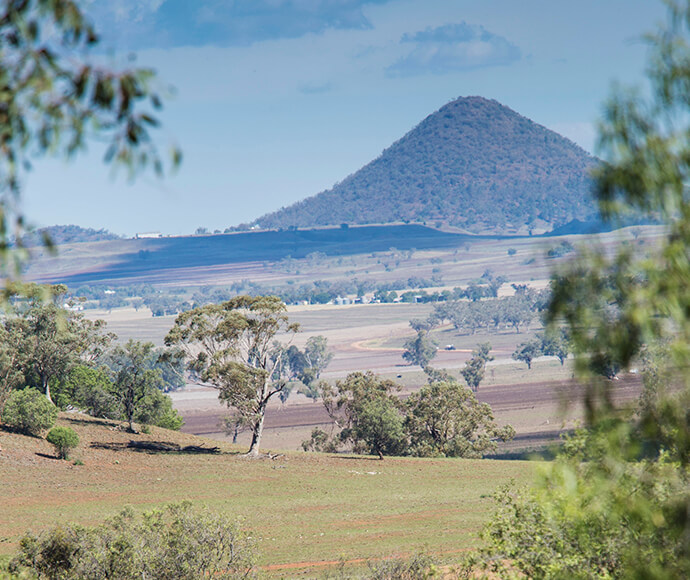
[[303, 366], [71, 361], [516, 312], [442, 419], [553, 343]]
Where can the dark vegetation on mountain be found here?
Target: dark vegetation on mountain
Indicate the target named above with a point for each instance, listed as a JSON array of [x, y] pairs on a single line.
[[66, 235], [473, 164]]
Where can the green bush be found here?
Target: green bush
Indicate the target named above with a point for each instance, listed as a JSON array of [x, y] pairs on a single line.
[[64, 439], [87, 389], [156, 409], [29, 411], [176, 542]]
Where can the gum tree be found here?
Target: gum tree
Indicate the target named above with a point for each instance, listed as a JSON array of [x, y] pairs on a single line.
[[474, 369], [230, 346]]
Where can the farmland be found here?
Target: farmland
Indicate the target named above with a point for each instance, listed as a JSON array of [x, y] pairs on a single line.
[[370, 336], [307, 510]]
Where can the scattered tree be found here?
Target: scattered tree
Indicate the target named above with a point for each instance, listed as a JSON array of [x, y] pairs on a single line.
[[474, 369], [305, 366], [528, 351], [88, 389], [445, 419], [318, 358], [229, 345], [420, 350], [555, 343], [367, 413], [133, 381]]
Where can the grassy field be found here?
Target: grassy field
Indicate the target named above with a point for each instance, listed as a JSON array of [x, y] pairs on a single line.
[[305, 510]]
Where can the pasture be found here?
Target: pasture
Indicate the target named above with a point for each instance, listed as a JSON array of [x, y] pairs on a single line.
[[305, 510]]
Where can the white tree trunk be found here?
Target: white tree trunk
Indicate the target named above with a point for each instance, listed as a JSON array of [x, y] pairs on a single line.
[[259, 426]]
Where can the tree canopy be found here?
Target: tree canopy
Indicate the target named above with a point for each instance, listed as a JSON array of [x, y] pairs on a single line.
[[443, 418], [230, 346], [420, 349]]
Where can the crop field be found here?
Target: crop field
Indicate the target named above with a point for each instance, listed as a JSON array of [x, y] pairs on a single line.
[[380, 253], [307, 511]]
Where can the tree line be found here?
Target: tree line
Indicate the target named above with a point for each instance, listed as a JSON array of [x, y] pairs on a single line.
[[510, 312]]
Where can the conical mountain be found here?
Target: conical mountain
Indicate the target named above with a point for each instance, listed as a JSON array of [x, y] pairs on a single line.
[[473, 164]]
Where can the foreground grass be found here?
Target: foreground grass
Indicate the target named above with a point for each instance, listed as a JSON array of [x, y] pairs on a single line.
[[304, 509]]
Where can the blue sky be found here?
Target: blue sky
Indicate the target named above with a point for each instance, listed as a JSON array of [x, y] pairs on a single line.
[[277, 100]]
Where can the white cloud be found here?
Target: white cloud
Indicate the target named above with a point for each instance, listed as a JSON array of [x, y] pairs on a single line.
[[453, 47]]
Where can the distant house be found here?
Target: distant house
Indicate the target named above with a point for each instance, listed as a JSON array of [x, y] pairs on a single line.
[[145, 235]]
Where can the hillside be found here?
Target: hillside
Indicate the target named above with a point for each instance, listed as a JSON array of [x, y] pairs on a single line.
[[70, 234], [305, 510], [473, 164], [168, 259]]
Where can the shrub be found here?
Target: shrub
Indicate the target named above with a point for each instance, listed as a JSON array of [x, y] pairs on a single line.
[[419, 567], [29, 411], [174, 542], [156, 409], [64, 439]]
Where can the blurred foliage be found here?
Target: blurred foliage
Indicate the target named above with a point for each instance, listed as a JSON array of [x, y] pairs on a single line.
[[56, 95], [616, 502], [178, 541]]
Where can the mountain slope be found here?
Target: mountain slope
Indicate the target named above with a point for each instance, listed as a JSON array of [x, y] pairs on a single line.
[[474, 164], [66, 235]]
